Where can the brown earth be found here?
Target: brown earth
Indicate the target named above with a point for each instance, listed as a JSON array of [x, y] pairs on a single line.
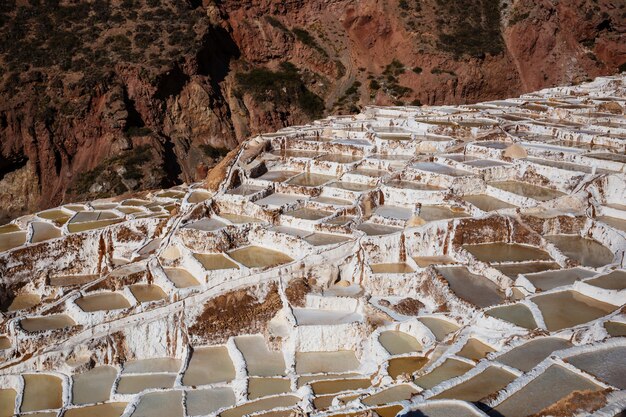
[[105, 97], [575, 403], [234, 313]]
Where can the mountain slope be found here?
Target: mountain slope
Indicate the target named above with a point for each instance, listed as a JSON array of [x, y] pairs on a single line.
[[105, 97]]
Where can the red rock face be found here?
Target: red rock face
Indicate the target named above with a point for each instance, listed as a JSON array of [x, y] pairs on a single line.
[[347, 53]]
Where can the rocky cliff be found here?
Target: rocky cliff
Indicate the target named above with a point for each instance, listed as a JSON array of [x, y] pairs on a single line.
[[107, 97]]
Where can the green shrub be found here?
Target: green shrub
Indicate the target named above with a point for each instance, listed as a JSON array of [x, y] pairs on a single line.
[[213, 152], [280, 87], [354, 88], [439, 71], [306, 38], [134, 131], [276, 23], [394, 69], [341, 69], [518, 17], [417, 70], [475, 27]]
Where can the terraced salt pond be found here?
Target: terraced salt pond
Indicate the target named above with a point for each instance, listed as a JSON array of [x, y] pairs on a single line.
[[12, 240], [5, 343], [398, 343], [480, 386], [425, 261], [474, 288], [389, 263], [440, 327], [41, 392], [615, 280], [552, 385], [506, 252], [450, 368], [263, 387], [52, 322], [261, 405], [528, 190], [570, 308], [202, 402], [90, 220], [308, 214], [7, 402], [586, 251], [405, 366], [100, 410], [276, 200], [526, 356], [619, 224], [615, 328], [259, 359], [310, 180], [391, 395], [553, 279], [412, 185], [487, 203], [145, 293], [321, 362], [134, 384], [160, 404], [259, 257], [475, 350], [24, 301], [392, 268], [373, 229], [278, 176], [393, 212], [209, 365], [215, 261], [93, 386], [181, 278], [71, 280], [440, 169], [517, 314], [606, 364], [102, 302]]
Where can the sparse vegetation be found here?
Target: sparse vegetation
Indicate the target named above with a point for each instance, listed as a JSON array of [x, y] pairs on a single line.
[[76, 46], [348, 102], [213, 152], [281, 87], [129, 165], [518, 17], [341, 69], [276, 23], [474, 27], [306, 38], [395, 68], [134, 131], [439, 71], [389, 82]]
